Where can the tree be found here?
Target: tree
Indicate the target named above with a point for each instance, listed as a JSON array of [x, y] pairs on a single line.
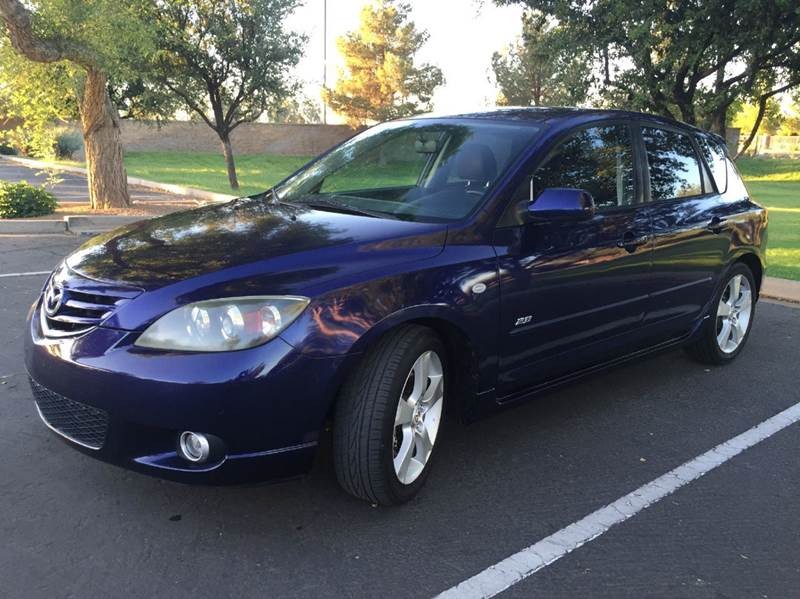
[[85, 35], [137, 98], [748, 113], [691, 60], [536, 70], [228, 62], [381, 80], [790, 123], [33, 98], [298, 109]]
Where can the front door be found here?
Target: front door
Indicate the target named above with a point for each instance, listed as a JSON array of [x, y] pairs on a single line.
[[574, 293]]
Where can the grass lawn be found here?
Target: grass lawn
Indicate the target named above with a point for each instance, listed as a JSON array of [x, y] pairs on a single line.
[[775, 183], [207, 171]]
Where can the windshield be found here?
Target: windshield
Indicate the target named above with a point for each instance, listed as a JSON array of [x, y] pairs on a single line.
[[413, 170]]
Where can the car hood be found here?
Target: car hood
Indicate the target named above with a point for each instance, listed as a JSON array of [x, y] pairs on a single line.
[[248, 246]]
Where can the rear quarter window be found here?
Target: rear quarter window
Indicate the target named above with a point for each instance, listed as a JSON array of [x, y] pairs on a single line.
[[716, 160]]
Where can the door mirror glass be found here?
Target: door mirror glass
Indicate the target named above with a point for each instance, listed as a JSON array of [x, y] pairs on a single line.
[[562, 203]]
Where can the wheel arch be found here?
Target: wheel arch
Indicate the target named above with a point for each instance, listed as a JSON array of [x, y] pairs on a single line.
[[752, 261], [463, 356]]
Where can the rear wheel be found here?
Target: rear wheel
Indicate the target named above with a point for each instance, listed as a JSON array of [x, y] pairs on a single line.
[[726, 330], [388, 417]]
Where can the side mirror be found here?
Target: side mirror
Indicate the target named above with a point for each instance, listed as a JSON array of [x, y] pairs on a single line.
[[561, 203]]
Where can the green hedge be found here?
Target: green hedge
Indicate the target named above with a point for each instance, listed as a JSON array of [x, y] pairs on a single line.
[[18, 200]]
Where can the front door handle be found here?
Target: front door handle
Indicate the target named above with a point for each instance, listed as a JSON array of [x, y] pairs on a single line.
[[716, 225], [630, 241]]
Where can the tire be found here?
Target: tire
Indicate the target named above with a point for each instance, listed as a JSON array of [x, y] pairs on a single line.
[[709, 347], [370, 449]]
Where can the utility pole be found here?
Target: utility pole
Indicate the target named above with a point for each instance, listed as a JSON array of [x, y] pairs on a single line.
[[324, 58]]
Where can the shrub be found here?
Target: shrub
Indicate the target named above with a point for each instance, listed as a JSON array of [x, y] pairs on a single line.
[[18, 200], [67, 143]]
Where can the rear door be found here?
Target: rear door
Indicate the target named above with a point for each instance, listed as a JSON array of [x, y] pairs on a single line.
[[691, 238], [574, 293]]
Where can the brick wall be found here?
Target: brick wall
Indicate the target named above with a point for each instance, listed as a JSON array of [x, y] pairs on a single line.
[[248, 138]]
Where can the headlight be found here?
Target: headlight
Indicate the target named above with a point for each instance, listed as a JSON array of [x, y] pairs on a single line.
[[223, 324]]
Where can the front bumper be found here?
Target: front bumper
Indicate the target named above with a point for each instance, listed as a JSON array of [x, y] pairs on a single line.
[[266, 404]]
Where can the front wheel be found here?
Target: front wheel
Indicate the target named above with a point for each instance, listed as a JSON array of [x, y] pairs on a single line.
[[725, 332], [388, 417]]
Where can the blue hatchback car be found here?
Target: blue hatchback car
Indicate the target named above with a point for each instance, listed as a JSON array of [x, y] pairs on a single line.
[[426, 267]]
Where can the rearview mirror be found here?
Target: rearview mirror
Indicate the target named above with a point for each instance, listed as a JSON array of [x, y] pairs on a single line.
[[562, 203]]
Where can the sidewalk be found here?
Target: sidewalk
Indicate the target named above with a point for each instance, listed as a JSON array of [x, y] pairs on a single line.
[[72, 187], [781, 289], [74, 215]]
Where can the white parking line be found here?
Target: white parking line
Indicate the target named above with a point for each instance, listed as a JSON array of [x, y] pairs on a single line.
[[25, 274], [530, 560]]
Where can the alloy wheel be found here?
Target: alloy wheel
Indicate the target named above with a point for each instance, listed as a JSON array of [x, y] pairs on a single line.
[[419, 413], [733, 314]]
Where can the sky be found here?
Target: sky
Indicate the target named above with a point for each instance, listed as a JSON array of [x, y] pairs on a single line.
[[463, 36]]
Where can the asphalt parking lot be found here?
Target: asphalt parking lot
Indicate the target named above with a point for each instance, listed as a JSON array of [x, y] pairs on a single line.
[[72, 526]]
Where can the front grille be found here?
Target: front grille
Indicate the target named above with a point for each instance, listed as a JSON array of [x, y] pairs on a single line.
[[72, 305], [77, 422]]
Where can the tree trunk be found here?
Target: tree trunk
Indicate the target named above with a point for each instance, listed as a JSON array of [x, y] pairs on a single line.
[[227, 151], [720, 118], [762, 107], [722, 122], [687, 112], [108, 181]]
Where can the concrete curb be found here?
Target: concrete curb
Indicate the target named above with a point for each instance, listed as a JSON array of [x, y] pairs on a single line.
[[199, 194], [79, 225], [32, 227], [781, 289], [85, 225]]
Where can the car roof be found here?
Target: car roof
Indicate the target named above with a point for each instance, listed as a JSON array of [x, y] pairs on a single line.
[[553, 114]]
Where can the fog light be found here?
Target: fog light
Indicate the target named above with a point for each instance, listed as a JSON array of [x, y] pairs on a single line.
[[194, 447]]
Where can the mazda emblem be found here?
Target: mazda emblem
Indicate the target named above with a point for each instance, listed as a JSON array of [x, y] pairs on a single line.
[[52, 299]]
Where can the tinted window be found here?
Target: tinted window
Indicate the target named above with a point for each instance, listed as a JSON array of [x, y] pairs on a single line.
[[736, 188], [714, 155], [390, 164], [598, 160], [415, 170], [674, 168]]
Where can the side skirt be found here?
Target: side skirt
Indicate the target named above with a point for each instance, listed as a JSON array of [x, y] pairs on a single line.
[[566, 379]]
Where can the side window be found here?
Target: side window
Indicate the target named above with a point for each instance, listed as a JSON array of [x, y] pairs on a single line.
[[714, 155], [736, 189], [674, 167], [598, 159]]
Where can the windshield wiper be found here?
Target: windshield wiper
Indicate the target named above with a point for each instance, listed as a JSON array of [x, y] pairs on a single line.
[[325, 203]]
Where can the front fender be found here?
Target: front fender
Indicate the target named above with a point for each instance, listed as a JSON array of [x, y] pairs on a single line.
[[422, 312], [349, 320]]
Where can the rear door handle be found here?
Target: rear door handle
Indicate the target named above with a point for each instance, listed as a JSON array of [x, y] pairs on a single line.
[[716, 225], [630, 241]]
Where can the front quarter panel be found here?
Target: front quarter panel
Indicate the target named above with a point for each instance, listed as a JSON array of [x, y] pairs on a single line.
[[350, 319]]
